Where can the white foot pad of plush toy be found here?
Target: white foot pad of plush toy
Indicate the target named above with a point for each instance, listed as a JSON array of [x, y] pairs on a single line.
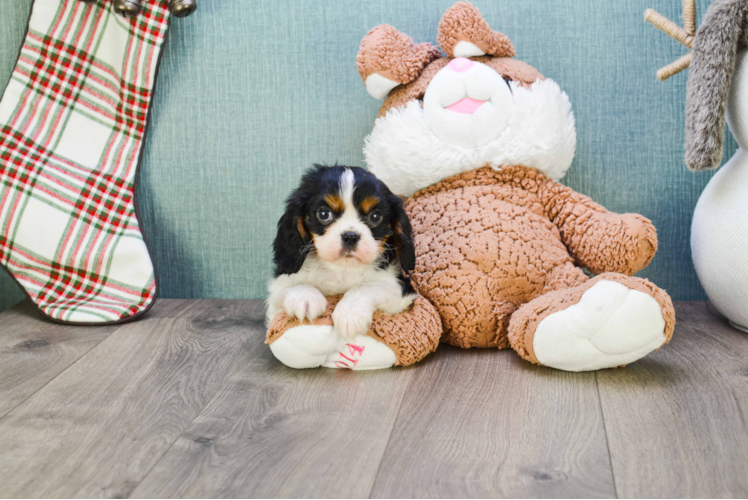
[[611, 325], [310, 346]]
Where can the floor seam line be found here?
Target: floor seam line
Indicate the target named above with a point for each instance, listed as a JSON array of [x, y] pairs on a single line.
[[605, 431], [389, 438]]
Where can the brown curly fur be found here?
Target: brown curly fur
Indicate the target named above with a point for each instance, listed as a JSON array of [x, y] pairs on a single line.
[[463, 22], [393, 55], [489, 241], [411, 334]]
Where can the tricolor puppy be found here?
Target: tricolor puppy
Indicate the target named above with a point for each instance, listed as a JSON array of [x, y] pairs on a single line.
[[343, 232]]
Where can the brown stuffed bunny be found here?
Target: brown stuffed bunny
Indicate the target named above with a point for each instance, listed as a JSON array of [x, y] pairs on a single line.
[[475, 140]]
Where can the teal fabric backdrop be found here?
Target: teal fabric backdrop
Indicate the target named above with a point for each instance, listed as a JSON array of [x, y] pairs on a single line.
[[253, 92]]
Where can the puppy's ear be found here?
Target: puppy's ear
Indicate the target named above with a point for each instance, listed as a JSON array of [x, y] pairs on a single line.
[[293, 240], [403, 237]]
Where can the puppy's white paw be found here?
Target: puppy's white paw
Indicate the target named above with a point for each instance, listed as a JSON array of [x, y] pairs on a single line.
[[351, 318], [304, 301]]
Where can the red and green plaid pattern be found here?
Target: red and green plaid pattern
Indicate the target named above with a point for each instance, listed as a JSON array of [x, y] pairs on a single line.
[[72, 123]]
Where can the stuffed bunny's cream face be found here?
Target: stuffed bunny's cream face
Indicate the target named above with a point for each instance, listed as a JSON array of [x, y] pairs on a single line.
[[468, 104], [446, 115]]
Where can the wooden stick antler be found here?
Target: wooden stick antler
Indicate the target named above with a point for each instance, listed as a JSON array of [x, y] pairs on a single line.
[[683, 35]]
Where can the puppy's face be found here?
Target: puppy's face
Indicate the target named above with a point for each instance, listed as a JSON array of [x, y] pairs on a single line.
[[348, 217]]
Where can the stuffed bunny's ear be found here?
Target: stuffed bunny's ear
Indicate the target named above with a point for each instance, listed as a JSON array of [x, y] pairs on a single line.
[[388, 58], [713, 63], [464, 33]]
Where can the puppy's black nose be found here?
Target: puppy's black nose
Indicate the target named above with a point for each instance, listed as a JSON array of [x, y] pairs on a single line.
[[350, 239]]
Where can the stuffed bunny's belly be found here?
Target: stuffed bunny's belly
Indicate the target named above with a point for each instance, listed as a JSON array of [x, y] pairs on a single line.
[[479, 257]]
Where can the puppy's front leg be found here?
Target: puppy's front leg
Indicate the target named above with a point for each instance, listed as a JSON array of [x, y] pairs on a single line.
[[353, 314], [302, 302]]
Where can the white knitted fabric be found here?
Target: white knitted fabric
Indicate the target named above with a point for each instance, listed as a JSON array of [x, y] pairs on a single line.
[[719, 232]]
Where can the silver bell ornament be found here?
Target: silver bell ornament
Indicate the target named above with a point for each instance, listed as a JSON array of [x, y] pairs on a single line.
[[182, 8], [127, 8]]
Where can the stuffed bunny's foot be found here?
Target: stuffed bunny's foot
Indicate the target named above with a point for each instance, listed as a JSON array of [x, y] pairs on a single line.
[[312, 346], [602, 324]]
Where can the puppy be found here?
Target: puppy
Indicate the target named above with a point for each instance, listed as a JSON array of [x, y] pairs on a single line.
[[343, 232]]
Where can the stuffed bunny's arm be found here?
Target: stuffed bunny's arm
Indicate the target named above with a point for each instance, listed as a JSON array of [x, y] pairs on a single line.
[[599, 240]]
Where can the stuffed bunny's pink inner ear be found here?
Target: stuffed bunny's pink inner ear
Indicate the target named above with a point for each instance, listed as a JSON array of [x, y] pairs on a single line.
[[379, 86], [466, 49]]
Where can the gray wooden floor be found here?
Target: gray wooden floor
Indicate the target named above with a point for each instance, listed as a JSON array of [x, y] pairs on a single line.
[[189, 402]]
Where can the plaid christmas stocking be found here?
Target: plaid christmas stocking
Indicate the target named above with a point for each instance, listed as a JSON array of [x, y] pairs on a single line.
[[72, 123]]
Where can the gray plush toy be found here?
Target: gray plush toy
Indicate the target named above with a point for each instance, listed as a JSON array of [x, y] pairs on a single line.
[[718, 87]]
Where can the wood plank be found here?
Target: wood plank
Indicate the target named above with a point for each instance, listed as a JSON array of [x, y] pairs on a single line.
[[101, 425], [277, 432], [677, 421], [34, 351], [484, 423]]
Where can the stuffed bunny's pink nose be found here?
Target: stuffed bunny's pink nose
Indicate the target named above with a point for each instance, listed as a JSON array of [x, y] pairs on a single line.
[[460, 64]]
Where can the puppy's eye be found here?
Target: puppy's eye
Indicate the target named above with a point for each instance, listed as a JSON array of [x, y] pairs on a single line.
[[324, 215], [375, 217]]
